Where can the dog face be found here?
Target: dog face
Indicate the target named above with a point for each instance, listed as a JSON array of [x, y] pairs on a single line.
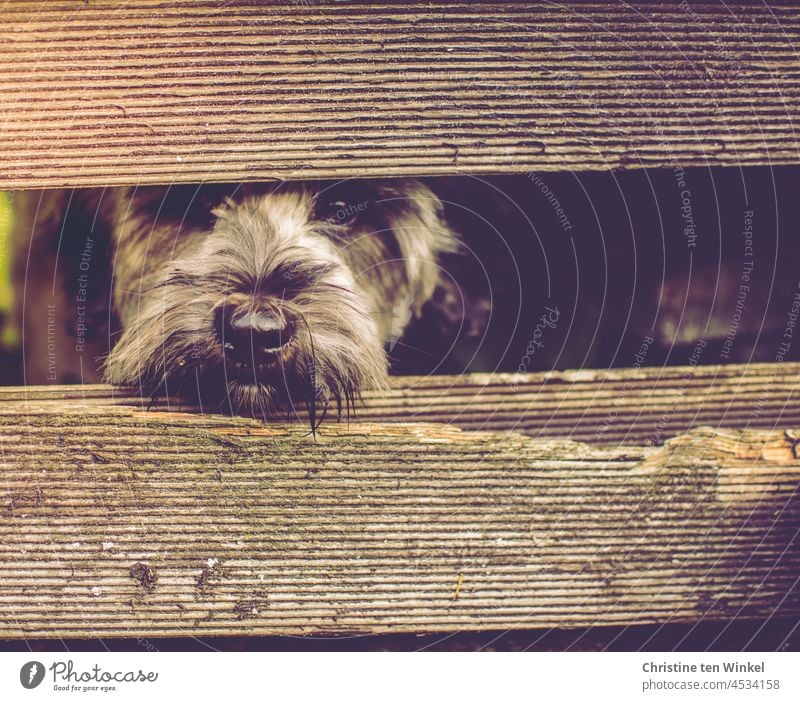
[[255, 297]]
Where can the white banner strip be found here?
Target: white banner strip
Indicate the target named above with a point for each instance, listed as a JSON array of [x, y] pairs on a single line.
[[400, 675]]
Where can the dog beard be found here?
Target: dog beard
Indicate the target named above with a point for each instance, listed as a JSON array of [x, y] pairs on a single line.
[[172, 348], [332, 273]]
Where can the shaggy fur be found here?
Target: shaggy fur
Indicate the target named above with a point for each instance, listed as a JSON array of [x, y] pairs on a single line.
[[345, 266]]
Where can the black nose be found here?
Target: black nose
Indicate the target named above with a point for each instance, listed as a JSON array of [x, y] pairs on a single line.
[[252, 336]]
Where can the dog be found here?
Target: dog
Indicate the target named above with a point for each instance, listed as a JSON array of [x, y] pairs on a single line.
[[248, 298]]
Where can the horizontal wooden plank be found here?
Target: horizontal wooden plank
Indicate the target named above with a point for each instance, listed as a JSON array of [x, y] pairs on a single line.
[[623, 407], [145, 91], [117, 521]]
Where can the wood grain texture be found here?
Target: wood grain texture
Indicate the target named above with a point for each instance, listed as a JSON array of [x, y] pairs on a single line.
[[158, 92], [619, 407], [116, 521]]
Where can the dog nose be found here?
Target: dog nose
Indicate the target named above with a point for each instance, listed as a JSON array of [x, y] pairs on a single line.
[[252, 336]]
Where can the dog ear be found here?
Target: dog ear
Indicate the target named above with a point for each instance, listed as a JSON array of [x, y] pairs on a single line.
[[62, 260], [423, 236]]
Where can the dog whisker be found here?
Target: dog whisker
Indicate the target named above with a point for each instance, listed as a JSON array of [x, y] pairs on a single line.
[[414, 348]]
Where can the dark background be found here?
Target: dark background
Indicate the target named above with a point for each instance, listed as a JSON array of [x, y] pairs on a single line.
[[622, 273]]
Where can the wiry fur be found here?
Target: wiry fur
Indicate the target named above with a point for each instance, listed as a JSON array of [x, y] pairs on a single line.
[[181, 253]]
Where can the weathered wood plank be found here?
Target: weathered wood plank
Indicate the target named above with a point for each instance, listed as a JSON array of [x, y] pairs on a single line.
[[115, 521], [159, 92], [644, 406]]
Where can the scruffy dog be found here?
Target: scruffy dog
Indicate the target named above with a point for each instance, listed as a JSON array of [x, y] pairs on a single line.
[[247, 298]]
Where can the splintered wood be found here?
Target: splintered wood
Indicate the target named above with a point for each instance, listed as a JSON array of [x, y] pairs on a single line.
[[116, 521]]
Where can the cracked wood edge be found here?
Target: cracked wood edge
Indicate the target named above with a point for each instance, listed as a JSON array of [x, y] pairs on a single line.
[[176, 524], [644, 406]]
